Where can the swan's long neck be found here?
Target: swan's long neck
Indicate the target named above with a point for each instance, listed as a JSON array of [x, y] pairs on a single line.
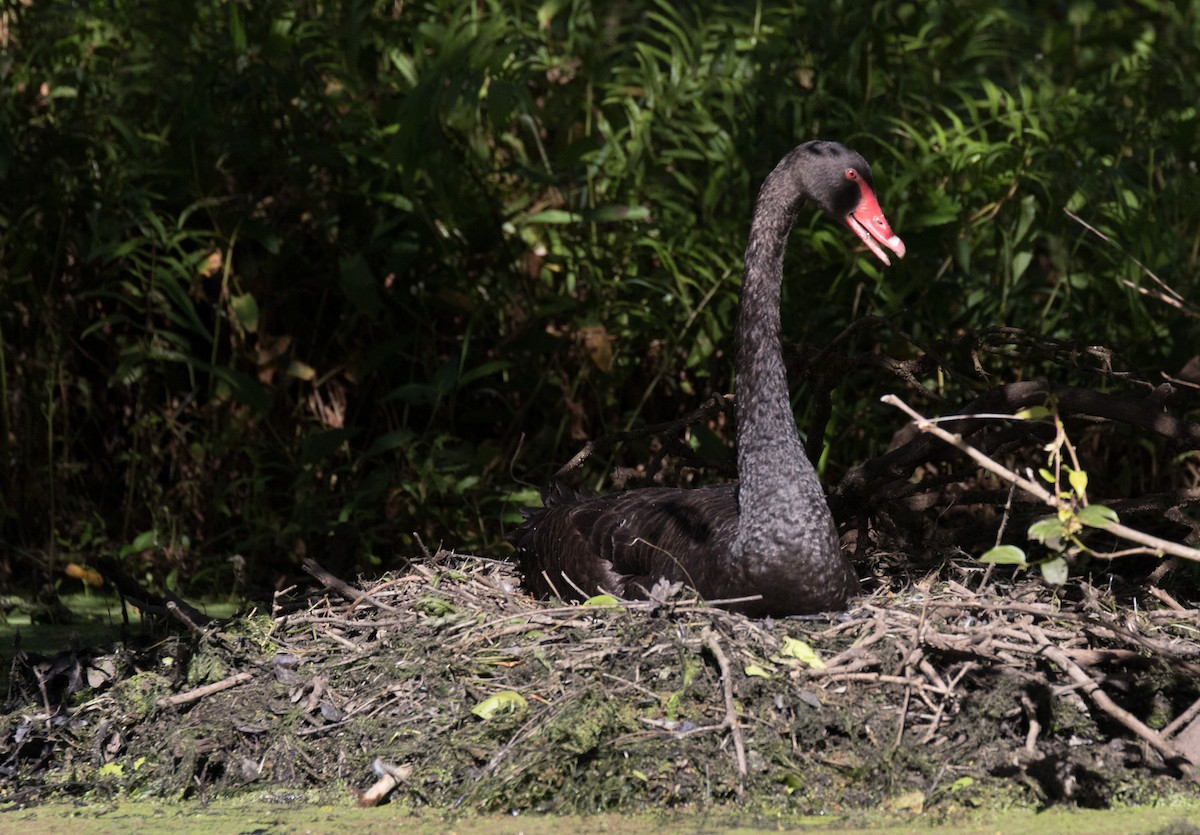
[[783, 514]]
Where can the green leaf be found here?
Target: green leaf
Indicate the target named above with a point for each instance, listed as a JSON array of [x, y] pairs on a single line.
[[237, 32], [601, 600], [245, 310], [484, 370], [608, 214], [1033, 413], [436, 607], [1020, 264], [1055, 571], [1045, 529], [244, 388], [142, 542], [1004, 555], [1078, 480], [1046, 475], [554, 216], [504, 702], [795, 648], [756, 671], [1097, 516]]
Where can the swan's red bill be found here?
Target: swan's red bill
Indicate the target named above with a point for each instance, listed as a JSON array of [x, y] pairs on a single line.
[[867, 221]]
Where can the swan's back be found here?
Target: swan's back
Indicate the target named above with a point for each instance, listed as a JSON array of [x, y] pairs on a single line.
[[624, 543]]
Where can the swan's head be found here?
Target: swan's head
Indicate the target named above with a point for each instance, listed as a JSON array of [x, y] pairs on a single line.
[[839, 181]]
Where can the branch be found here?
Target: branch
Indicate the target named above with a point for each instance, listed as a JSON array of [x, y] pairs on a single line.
[[1164, 546]]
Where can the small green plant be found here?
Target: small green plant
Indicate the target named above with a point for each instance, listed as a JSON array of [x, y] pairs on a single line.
[[1073, 514], [1060, 532]]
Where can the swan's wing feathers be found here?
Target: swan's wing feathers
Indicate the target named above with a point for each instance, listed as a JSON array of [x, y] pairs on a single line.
[[624, 543]]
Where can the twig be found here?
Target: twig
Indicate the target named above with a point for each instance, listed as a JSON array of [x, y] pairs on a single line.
[[203, 692], [1035, 727], [1102, 700], [1166, 294], [354, 595], [390, 776], [179, 614], [731, 722], [1180, 721]]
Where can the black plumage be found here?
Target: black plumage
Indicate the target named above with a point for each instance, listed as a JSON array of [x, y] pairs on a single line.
[[770, 535]]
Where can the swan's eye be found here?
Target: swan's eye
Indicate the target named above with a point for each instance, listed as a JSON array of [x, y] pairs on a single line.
[[851, 174]]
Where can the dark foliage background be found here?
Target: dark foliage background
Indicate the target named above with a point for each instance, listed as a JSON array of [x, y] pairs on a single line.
[[286, 278]]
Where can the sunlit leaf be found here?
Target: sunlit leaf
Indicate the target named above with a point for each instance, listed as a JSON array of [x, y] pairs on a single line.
[[1048, 528], [245, 310], [1078, 480], [601, 600], [301, 370], [1098, 516], [504, 702], [795, 648], [1004, 555], [88, 576]]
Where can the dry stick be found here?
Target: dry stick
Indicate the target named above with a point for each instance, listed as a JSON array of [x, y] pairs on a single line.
[[1035, 727], [205, 691], [1167, 294], [390, 776], [1158, 545], [731, 722], [182, 616], [941, 705], [1171, 602], [1181, 720], [903, 713], [1102, 700], [354, 595]]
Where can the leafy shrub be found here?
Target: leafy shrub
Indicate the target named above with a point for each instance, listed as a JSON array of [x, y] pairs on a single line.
[[282, 278]]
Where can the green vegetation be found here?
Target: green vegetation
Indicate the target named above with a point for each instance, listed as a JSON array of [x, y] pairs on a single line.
[[289, 277]]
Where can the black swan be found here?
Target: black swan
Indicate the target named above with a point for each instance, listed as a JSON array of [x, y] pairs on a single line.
[[772, 533]]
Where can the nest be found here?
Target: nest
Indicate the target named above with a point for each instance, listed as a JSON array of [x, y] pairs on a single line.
[[457, 691]]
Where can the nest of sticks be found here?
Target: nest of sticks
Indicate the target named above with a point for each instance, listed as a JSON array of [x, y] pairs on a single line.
[[444, 685]]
